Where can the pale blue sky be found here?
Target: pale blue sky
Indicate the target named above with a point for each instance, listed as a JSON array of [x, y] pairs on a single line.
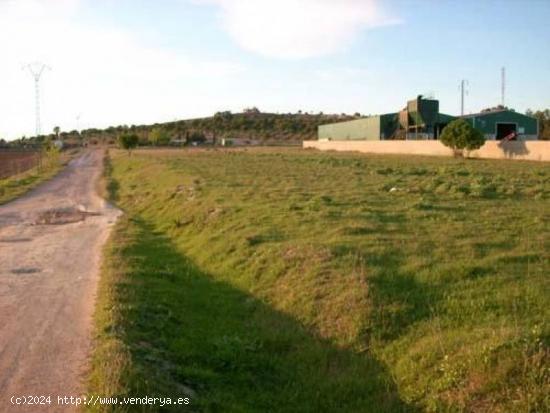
[[138, 61]]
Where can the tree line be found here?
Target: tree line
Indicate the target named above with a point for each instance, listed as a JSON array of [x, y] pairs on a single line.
[[250, 124]]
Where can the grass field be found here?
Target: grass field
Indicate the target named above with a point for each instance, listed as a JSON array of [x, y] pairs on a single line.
[[298, 281], [16, 185]]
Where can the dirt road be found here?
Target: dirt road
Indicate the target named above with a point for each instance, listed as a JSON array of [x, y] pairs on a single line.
[[50, 244]]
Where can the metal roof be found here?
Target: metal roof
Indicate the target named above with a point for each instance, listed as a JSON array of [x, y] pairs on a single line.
[[490, 112]]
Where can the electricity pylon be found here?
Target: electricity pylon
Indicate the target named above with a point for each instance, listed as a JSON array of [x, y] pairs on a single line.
[[36, 69]]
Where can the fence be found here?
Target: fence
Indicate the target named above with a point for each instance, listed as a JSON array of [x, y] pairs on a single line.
[[518, 150]]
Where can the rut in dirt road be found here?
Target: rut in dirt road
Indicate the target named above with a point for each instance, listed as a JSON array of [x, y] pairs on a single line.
[[50, 246]]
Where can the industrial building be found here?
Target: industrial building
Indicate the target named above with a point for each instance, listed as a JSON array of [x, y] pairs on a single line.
[[505, 124], [421, 119], [370, 128]]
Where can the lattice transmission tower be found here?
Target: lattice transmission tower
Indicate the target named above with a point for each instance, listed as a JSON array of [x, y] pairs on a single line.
[[36, 69]]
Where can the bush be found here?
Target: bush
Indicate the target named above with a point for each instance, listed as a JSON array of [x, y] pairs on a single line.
[[460, 135], [158, 136], [128, 141]]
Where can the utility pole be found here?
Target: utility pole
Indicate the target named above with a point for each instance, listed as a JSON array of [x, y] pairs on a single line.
[[78, 122], [463, 91], [36, 70], [502, 86]]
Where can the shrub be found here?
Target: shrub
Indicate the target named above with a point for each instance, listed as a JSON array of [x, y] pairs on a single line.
[[128, 141], [158, 136], [460, 135]]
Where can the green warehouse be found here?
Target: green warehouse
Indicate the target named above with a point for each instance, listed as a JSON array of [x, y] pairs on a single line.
[[370, 128], [504, 124], [421, 119]]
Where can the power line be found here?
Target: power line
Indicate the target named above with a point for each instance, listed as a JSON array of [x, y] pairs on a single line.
[[36, 69], [78, 122]]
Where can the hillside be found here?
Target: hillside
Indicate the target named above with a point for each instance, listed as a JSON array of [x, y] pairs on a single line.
[[250, 124]]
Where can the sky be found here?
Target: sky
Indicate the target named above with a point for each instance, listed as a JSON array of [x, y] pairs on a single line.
[[114, 62]]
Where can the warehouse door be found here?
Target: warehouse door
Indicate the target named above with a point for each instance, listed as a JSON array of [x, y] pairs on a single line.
[[505, 129]]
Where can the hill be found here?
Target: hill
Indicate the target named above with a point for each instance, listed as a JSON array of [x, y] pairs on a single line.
[[251, 124]]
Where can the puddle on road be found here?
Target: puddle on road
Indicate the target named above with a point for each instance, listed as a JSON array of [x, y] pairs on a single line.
[[25, 270], [61, 216]]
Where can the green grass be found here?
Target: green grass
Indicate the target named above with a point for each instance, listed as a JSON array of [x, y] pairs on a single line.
[[290, 280], [17, 185]]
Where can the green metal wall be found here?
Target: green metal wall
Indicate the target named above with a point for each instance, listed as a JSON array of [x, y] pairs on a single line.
[[384, 126], [486, 122], [423, 111], [360, 129], [388, 125]]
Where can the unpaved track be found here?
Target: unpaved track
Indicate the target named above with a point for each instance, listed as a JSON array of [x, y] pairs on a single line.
[[50, 245]]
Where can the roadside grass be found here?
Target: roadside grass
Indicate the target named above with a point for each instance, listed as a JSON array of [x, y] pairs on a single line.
[[289, 280], [17, 185], [169, 329]]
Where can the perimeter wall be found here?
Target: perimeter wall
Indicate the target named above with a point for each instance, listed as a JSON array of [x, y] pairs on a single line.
[[520, 150]]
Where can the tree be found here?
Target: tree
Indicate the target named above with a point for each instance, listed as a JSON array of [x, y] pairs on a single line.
[[128, 141], [543, 116], [158, 136], [459, 135], [496, 109], [251, 111], [56, 130], [224, 116]]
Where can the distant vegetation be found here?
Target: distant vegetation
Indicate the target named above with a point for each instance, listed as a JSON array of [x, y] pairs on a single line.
[[251, 124], [544, 122]]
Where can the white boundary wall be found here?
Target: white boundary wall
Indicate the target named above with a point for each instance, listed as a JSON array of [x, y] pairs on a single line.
[[519, 150]]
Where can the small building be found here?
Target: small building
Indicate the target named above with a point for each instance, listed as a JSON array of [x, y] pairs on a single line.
[[235, 141], [504, 124]]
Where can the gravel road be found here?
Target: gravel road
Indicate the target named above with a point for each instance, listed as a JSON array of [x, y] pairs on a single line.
[[50, 247]]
